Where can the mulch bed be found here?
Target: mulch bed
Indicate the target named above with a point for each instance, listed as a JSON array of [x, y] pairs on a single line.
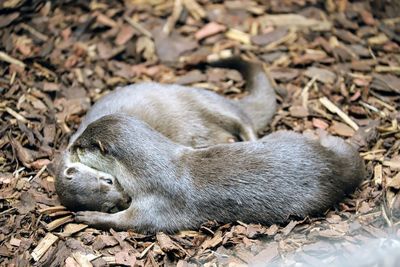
[[336, 65]]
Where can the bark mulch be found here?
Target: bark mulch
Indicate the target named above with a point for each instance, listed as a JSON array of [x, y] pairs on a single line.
[[336, 65]]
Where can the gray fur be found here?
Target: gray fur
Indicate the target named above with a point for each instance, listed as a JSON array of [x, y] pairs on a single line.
[[80, 187], [190, 116], [174, 187], [260, 103]]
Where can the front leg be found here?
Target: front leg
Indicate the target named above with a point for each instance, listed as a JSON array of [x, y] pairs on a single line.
[[122, 220]]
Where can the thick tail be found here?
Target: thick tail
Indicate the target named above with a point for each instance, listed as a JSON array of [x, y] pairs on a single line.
[[260, 102]]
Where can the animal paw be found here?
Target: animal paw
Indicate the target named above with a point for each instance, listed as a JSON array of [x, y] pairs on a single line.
[[88, 217]]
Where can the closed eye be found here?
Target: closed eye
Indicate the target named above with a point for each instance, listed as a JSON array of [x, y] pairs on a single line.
[[107, 180]]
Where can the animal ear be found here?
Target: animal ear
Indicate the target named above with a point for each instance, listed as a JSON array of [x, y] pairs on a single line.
[[70, 172]]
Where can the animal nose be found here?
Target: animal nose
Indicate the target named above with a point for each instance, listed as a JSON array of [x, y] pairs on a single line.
[[70, 172]]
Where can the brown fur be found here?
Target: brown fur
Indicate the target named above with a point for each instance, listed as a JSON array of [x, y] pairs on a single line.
[[80, 187], [175, 187], [194, 117]]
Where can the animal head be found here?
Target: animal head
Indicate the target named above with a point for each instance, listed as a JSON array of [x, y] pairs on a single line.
[[121, 140], [83, 188]]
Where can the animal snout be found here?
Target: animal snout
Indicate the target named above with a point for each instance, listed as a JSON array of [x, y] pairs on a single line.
[[70, 172]]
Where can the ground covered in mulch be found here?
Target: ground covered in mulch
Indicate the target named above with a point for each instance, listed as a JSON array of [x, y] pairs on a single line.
[[336, 65]]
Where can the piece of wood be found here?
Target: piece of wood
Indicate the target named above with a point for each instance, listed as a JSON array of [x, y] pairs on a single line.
[[171, 21], [56, 223], [377, 174], [50, 210], [137, 26], [304, 92], [82, 259], [195, 9], [73, 228], [9, 59], [43, 246], [237, 35], [16, 115], [40, 172], [334, 109]]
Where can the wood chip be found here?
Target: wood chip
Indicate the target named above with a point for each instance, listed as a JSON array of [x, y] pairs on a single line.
[[208, 30], [15, 242], [138, 27], [317, 123], [377, 174], [394, 182], [334, 109], [210, 243], [9, 59], [296, 21], [238, 36], [82, 259], [16, 115], [171, 21], [124, 35], [50, 210], [393, 164], [57, 223], [342, 129], [322, 75], [266, 255], [72, 228], [195, 9], [43, 246]]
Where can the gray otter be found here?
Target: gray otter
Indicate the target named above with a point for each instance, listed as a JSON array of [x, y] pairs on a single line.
[[80, 187], [174, 187], [189, 116], [194, 117]]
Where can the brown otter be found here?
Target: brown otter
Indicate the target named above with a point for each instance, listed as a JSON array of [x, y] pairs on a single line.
[[173, 187], [189, 116], [80, 187], [194, 117]]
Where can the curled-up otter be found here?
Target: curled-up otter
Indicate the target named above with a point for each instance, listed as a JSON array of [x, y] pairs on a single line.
[[174, 187], [191, 116]]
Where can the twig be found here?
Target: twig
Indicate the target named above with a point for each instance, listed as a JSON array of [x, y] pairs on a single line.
[[13, 75], [171, 21], [16, 115], [385, 216], [138, 27], [374, 109], [144, 252], [38, 174], [35, 32], [7, 211], [334, 109], [195, 9], [6, 58], [383, 103], [304, 92]]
